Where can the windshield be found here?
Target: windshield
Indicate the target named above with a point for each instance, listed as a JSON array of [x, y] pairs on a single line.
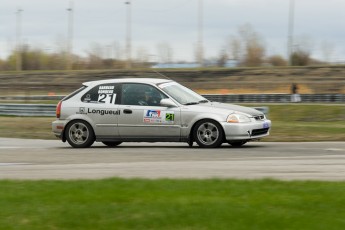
[[182, 94]]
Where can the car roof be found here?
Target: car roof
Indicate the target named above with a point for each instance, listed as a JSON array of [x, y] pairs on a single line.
[[129, 80]]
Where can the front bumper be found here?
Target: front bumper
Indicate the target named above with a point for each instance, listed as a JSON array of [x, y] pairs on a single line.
[[246, 131]]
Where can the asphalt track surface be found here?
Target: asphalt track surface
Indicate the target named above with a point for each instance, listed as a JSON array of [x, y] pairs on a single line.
[[52, 159]]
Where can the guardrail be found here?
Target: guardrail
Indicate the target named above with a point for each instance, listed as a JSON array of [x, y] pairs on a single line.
[[31, 98], [275, 98], [27, 110], [49, 110]]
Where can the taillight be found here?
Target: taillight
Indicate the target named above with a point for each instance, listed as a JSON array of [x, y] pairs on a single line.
[[58, 109]]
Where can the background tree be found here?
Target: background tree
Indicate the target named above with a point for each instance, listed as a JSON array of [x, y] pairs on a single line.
[[165, 52], [222, 58], [300, 58], [301, 54], [235, 48], [142, 56], [247, 47], [327, 49], [277, 60]]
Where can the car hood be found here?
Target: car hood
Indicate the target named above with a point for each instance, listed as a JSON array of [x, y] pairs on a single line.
[[218, 107]]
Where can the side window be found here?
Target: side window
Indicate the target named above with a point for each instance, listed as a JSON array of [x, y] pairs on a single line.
[[141, 94], [105, 93]]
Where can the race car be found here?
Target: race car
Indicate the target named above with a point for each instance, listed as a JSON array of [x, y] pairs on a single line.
[[152, 110]]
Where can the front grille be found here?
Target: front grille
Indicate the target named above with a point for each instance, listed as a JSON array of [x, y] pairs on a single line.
[[257, 132]]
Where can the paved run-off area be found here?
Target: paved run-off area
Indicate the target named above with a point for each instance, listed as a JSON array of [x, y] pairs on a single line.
[[52, 159]]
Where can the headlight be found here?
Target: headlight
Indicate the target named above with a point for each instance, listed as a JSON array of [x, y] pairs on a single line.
[[237, 118]]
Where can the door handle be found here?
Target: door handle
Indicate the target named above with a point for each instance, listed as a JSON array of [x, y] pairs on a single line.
[[127, 111]]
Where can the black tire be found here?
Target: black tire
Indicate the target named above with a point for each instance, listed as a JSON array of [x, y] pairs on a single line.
[[208, 134], [79, 134], [111, 143], [237, 143]]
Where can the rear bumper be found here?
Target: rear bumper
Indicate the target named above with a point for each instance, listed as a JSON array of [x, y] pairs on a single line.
[[58, 128], [246, 131]]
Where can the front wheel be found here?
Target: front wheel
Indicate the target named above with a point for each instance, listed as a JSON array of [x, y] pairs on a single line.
[[208, 134], [79, 134]]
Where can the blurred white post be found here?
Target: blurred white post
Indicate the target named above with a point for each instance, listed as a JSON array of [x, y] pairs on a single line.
[[128, 36], [69, 37], [18, 40], [290, 30], [200, 34]]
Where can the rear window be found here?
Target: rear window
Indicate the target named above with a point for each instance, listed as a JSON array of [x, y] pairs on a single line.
[[105, 93], [74, 93]]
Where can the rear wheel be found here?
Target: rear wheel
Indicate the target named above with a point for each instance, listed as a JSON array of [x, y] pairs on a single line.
[[111, 143], [79, 134], [208, 134]]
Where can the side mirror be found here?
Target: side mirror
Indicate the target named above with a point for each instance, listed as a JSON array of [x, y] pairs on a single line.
[[167, 102]]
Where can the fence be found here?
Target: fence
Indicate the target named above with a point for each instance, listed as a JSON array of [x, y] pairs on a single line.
[[275, 98], [49, 110], [27, 110]]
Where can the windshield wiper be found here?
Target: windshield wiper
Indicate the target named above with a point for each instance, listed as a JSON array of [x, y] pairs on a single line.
[[196, 102], [192, 103]]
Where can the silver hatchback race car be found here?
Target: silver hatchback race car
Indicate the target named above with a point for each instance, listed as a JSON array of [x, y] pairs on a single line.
[[152, 110]]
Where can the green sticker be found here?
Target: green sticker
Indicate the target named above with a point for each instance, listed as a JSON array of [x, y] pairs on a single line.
[[169, 117]]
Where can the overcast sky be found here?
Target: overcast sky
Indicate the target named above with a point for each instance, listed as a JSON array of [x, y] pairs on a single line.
[[44, 24]]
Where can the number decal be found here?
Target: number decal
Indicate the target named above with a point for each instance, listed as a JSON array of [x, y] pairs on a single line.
[[107, 98], [102, 97], [169, 117]]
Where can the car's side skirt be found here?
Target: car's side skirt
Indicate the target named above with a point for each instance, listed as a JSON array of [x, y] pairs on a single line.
[[141, 139]]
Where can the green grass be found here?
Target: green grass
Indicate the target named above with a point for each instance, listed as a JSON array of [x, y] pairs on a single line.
[[172, 204], [26, 127], [301, 122], [291, 122]]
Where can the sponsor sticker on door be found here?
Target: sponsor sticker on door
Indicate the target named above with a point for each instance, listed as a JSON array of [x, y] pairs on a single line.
[[158, 116]]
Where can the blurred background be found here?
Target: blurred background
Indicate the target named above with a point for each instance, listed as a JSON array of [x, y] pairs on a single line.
[[214, 47], [254, 52]]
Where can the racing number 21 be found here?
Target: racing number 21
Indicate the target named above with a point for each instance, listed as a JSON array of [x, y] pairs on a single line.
[[107, 98], [169, 117]]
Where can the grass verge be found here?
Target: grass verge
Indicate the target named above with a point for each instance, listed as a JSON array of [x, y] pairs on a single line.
[[291, 122], [172, 204], [26, 127], [307, 122]]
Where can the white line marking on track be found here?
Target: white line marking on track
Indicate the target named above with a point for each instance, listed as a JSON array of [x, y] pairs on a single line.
[[335, 149], [9, 164]]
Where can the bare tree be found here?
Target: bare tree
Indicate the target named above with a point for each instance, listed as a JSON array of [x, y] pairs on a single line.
[[118, 51], [247, 47], [222, 58], [301, 54], [165, 52], [327, 49], [142, 55], [95, 56], [253, 45], [235, 48], [277, 60]]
